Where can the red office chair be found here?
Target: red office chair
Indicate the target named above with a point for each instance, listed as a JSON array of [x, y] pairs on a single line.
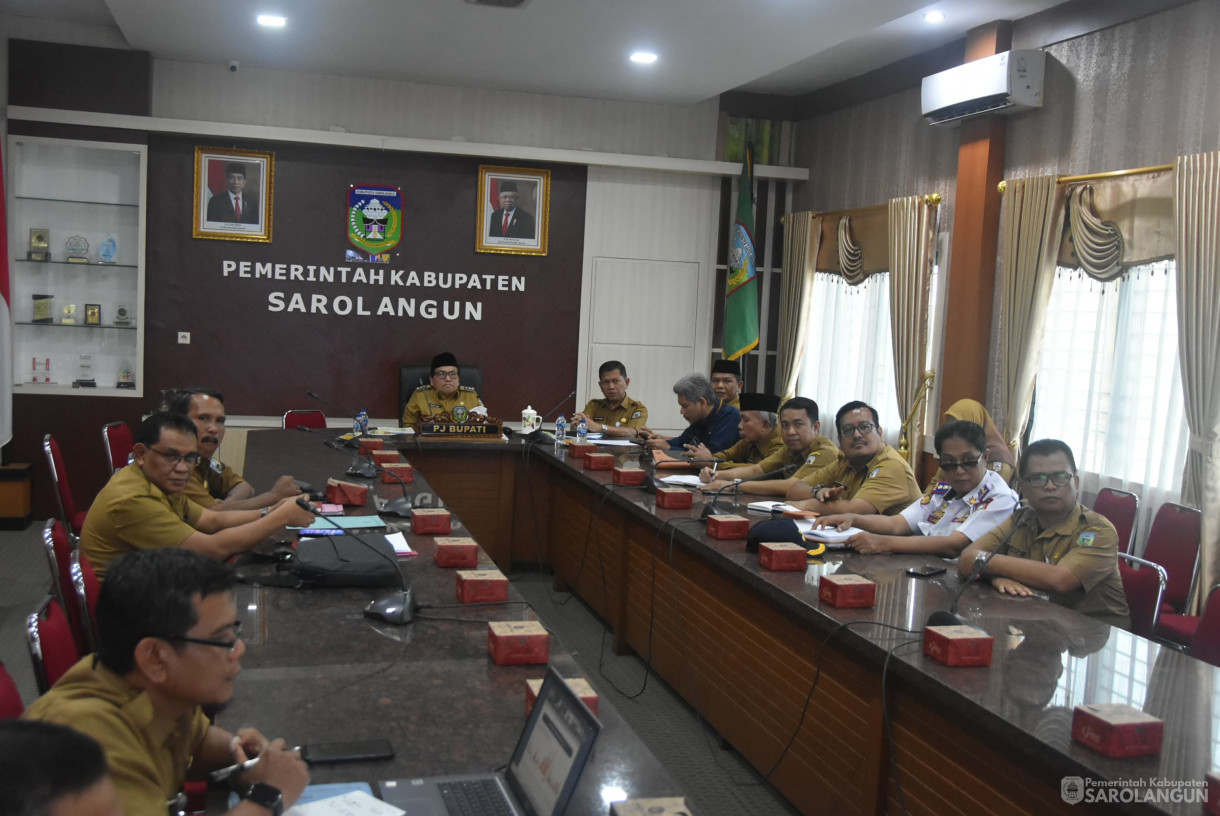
[[57, 546], [1144, 585], [1173, 542], [1122, 510], [307, 417], [52, 649], [116, 438], [10, 700], [1205, 644], [85, 588], [73, 519]]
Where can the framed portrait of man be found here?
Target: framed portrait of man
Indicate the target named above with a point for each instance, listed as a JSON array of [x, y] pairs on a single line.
[[514, 210], [233, 194]]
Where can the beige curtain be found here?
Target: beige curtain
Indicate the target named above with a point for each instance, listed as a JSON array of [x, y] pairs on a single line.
[[1097, 243], [1197, 213], [802, 239], [912, 223], [1031, 223], [854, 243], [851, 256], [1117, 223]]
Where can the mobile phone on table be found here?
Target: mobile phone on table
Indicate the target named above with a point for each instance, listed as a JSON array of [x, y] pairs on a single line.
[[925, 571], [321, 753]]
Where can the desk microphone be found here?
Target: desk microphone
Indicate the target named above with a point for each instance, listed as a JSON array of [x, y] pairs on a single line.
[[786, 470], [365, 469], [326, 402], [397, 507], [951, 618]]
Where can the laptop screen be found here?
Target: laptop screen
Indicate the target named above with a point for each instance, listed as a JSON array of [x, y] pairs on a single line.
[[553, 749]]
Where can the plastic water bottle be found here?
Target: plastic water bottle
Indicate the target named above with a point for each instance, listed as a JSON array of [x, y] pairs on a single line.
[[360, 425], [582, 432], [561, 431]]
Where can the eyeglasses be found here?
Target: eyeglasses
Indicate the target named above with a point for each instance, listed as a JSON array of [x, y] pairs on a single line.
[[446, 375], [865, 428], [173, 457], [968, 464], [1059, 479], [230, 645]]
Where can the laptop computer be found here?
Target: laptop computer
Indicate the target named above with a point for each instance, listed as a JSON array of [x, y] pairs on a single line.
[[550, 756]]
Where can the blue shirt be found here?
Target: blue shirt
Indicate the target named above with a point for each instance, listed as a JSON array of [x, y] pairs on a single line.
[[717, 430]]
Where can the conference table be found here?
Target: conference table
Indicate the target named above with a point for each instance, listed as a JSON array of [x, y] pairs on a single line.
[[838, 708], [317, 670]]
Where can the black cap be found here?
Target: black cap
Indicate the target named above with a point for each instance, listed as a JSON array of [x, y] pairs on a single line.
[[235, 167], [779, 529], [727, 367], [508, 186], [445, 358], [759, 402]]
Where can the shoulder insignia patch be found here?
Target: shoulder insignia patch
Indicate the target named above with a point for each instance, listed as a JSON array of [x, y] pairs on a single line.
[[812, 459], [1086, 539], [941, 488], [876, 470], [419, 388], [469, 388], [637, 414], [216, 465]]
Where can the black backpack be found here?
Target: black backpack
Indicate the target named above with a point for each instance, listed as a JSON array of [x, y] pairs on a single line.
[[328, 561]]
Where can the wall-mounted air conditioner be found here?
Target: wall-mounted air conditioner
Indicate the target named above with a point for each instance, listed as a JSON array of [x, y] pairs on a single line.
[[1003, 83]]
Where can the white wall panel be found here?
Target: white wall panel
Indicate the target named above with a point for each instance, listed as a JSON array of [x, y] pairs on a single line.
[[648, 286], [296, 99]]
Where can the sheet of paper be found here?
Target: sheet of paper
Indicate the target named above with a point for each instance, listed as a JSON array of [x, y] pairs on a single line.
[[356, 803], [399, 542], [618, 443], [683, 480], [831, 534]]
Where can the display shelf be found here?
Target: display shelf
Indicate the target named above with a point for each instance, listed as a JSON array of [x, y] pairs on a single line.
[[74, 325], [89, 265], [76, 201]]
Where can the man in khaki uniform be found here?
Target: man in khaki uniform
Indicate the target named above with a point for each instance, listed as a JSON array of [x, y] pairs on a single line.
[[760, 437], [445, 395], [616, 414], [804, 448], [143, 507], [1055, 545], [213, 483], [726, 382], [868, 477]]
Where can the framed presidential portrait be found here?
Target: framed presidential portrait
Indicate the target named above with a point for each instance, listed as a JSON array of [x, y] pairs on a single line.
[[514, 210], [233, 194]]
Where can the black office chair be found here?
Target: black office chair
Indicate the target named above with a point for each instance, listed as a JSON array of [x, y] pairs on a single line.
[[413, 375]]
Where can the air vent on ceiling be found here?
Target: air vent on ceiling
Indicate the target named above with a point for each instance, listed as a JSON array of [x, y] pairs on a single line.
[[500, 3]]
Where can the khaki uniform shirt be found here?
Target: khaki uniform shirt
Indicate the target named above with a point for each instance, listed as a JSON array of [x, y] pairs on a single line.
[[887, 482], [629, 414], [750, 453], [735, 401], [148, 754], [211, 481], [819, 453], [131, 513], [427, 402], [1086, 544]]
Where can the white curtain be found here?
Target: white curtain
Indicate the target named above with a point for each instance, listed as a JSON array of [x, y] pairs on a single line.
[[848, 354], [1116, 398]]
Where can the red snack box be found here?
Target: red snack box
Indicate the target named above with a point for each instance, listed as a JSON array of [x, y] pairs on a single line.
[[1212, 805], [456, 552], [957, 645], [367, 445], [599, 461], [430, 521], [1117, 730], [385, 457], [514, 643], [675, 498], [728, 526], [628, 476], [781, 555], [481, 586], [402, 470], [846, 591], [339, 492], [578, 684], [579, 450], [663, 806]]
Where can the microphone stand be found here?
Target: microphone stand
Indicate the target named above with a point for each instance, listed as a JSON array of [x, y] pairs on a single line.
[[397, 507], [951, 618], [364, 470], [534, 436], [710, 508]]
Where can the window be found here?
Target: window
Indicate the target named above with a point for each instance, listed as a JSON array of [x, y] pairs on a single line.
[[848, 354], [1109, 383]]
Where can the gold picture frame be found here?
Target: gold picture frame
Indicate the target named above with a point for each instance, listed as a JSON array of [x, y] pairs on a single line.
[[523, 230], [217, 191]]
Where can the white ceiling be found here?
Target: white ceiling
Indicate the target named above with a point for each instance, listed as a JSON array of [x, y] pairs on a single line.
[[568, 47]]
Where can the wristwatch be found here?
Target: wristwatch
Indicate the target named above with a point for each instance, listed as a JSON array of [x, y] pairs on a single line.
[[268, 796], [981, 559]]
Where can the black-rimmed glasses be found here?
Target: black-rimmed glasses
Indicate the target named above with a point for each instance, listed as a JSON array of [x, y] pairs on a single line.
[[230, 645], [1059, 478], [864, 429], [173, 457]]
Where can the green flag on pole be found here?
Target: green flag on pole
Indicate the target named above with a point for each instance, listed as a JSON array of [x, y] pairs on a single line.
[[741, 289]]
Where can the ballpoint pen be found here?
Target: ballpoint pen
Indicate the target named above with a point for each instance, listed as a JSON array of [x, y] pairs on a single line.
[[221, 774]]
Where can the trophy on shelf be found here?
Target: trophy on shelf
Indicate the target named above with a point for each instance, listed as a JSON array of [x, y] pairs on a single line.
[[107, 250], [93, 314], [69, 318], [78, 249], [44, 308], [122, 315], [127, 377], [84, 377], [39, 245]]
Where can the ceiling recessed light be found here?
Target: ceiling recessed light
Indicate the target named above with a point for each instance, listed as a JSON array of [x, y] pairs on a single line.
[[934, 17], [644, 57], [272, 20]]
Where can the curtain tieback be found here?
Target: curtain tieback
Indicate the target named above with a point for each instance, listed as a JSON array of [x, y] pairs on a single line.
[[1209, 448]]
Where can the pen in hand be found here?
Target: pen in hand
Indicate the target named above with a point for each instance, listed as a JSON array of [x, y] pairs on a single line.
[[221, 774]]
